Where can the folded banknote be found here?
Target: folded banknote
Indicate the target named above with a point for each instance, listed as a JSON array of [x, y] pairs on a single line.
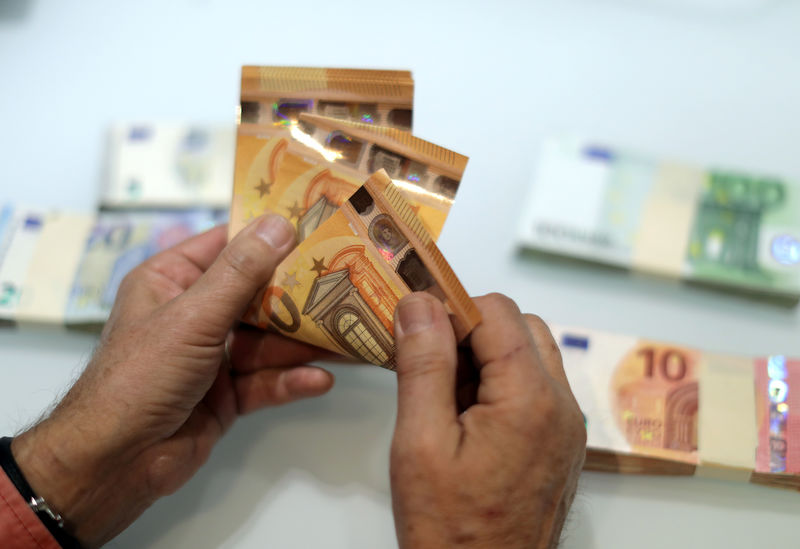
[[718, 227], [309, 169], [274, 125], [339, 288]]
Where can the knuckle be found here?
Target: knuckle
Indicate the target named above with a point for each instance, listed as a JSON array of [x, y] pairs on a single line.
[[132, 279], [535, 321], [500, 301], [421, 447], [415, 361], [242, 261]]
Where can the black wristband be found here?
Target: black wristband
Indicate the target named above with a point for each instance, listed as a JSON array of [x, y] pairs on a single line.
[[9, 465]]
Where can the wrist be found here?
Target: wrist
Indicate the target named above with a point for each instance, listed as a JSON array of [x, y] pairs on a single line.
[[75, 484]]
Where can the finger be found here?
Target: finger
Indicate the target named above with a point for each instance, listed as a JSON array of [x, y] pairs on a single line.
[[426, 365], [275, 386], [504, 351], [255, 349], [547, 348], [220, 399], [243, 267], [468, 380], [184, 263]]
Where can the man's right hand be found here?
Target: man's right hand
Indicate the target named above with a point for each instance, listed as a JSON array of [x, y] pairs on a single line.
[[504, 472]]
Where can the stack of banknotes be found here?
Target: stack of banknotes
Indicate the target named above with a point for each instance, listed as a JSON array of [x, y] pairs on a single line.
[[62, 268], [168, 165], [657, 408], [714, 227]]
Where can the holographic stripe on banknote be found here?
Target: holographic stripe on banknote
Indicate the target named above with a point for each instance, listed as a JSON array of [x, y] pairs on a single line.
[[777, 415]]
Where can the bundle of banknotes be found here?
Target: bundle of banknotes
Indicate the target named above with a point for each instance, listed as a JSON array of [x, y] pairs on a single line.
[[714, 227], [657, 408], [168, 165], [330, 150], [61, 268]]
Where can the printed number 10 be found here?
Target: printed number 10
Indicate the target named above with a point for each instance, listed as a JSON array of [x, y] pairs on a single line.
[[671, 363]]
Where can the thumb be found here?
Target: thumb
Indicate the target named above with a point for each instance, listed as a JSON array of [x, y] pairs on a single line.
[[426, 366], [219, 297]]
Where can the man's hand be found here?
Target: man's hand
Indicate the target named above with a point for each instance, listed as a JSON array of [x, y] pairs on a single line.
[[504, 472], [160, 390]]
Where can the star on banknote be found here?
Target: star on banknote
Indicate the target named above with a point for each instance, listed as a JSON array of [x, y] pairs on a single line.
[[290, 281], [319, 266], [263, 188]]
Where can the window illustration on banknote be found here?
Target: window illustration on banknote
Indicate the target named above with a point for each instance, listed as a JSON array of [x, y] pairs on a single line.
[[351, 299]]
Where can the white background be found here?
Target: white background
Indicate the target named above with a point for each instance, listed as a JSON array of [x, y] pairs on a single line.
[[706, 81]]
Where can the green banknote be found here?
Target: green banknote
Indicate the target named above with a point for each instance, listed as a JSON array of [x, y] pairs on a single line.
[[747, 232]]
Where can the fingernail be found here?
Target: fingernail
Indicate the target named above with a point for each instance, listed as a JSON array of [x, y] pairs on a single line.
[[275, 231], [414, 314]]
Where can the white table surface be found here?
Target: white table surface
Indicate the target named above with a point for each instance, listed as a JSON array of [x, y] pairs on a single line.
[[706, 81]]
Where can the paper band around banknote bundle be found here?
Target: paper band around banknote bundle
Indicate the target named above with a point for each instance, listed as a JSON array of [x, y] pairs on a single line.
[[726, 422]]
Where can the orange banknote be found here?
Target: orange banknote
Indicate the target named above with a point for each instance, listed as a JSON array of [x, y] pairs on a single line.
[[639, 397], [338, 289], [275, 96], [308, 174]]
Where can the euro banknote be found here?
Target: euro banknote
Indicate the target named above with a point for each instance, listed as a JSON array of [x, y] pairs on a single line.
[[118, 242], [338, 289], [306, 174], [41, 255], [276, 96], [64, 268], [709, 226], [273, 99], [656, 407], [166, 165]]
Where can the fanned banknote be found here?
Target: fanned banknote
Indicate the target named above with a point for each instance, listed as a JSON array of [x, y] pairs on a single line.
[[708, 226], [659, 408], [306, 175], [117, 243], [167, 165], [338, 289], [275, 96]]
